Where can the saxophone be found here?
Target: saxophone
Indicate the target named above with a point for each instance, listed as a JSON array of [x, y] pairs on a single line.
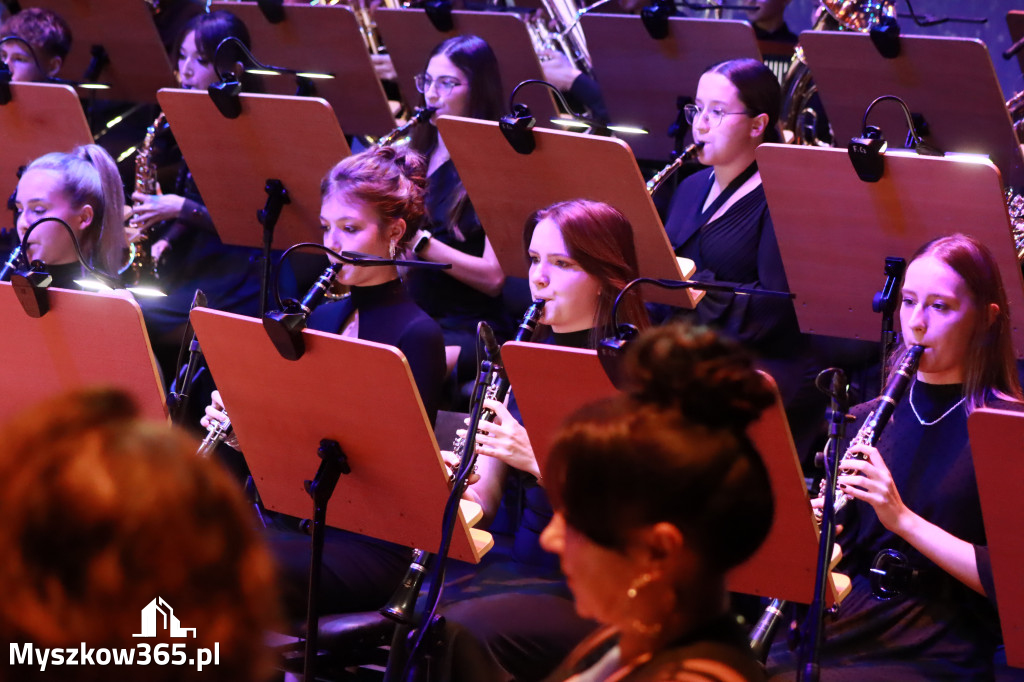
[[141, 264], [868, 434]]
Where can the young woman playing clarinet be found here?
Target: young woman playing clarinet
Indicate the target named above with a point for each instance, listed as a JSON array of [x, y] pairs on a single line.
[[372, 203], [515, 618], [915, 495]]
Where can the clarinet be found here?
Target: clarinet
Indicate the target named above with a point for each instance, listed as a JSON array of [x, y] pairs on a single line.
[[402, 603], [868, 434], [216, 432], [498, 386]]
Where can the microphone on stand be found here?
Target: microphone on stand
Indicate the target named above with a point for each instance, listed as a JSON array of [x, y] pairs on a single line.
[[284, 327]]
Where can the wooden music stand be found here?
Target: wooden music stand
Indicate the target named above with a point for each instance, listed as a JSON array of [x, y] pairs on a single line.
[[360, 394], [834, 239], [138, 65], [410, 37], [507, 187], [950, 81], [996, 436], [292, 139], [86, 339], [784, 566], [323, 40], [641, 78], [39, 119]]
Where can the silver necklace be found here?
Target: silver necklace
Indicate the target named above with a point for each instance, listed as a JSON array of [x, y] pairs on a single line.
[[936, 421]]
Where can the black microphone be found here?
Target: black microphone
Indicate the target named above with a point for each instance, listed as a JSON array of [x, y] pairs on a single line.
[[284, 327], [368, 260]]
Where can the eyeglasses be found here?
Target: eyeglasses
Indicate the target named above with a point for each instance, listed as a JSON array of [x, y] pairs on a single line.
[[714, 115], [444, 84]]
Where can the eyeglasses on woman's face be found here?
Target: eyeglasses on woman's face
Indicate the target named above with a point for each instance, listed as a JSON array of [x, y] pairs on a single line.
[[713, 114], [444, 84]]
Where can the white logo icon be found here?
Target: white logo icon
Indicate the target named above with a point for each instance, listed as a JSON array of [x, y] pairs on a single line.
[[170, 621]]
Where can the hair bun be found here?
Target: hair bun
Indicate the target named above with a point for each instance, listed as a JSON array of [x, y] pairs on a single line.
[[711, 380]]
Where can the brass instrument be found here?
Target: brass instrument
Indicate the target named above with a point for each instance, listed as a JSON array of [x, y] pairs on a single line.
[[1015, 209], [567, 36], [868, 434], [1015, 105], [364, 18], [659, 178], [799, 119], [860, 15], [141, 265], [216, 433]]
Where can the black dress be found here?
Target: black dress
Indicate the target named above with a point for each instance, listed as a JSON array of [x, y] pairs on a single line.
[[197, 259], [361, 573], [720, 641], [456, 306], [739, 248], [516, 618], [940, 629]]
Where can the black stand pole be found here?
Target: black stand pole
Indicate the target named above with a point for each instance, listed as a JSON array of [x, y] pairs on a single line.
[[402, 664], [811, 647], [885, 302], [333, 463], [277, 197]]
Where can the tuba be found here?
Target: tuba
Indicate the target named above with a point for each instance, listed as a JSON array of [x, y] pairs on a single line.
[[141, 264], [566, 36], [799, 119]]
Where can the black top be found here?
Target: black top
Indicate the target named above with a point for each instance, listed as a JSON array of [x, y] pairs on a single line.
[[737, 248], [942, 629], [721, 641], [532, 508], [388, 315], [64, 276], [438, 293]]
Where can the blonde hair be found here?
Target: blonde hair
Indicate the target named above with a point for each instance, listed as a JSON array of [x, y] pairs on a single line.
[[90, 178]]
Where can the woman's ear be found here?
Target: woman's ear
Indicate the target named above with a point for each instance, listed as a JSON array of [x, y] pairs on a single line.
[[758, 125], [52, 66], [993, 313], [85, 216], [660, 542], [396, 230]]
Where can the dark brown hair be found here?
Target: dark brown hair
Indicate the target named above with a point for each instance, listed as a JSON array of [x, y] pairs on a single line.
[[674, 449], [759, 90]]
